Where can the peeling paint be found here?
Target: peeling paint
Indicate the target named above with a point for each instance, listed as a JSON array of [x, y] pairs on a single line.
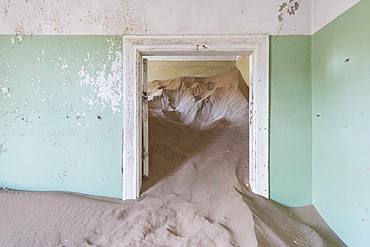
[[6, 5], [62, 63], [106, 83], [6, 92], [117, 17], [98, 17], [42, 108], [289, 7], [3, 148], [19, 32]]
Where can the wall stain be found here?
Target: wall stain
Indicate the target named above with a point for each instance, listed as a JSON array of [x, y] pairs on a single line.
[[131, 21], [63, 174], [289, 7], [101, 18], [6, 6]]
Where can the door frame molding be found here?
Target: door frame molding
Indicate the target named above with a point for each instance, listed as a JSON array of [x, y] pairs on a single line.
[[137, 46]]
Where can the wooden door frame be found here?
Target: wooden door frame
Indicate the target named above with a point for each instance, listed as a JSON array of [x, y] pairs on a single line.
[[137, 46]]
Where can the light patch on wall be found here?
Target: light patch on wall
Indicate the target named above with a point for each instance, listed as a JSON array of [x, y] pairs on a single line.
[[38, 93], [105, 81], [41, 57], [4, 78], [6, 92], [62, 63]]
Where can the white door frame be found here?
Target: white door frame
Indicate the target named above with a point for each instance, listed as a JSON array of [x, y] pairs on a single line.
[[137, 46]]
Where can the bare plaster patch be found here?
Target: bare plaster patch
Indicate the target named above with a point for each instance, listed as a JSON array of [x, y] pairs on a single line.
[[106, 82], [6, 92]]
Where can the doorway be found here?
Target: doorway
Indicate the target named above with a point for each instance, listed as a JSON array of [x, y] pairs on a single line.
[[137, 48]]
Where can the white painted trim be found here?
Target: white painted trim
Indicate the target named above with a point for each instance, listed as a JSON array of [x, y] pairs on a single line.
[[145, 129], [131, 147], [259, 118], [136, 46], [191, 58]]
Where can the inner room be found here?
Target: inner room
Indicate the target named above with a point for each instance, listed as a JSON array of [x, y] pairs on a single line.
[[191, 101]]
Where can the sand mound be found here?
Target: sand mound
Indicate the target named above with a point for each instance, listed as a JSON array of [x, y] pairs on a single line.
[[201, 102], [197, 192]]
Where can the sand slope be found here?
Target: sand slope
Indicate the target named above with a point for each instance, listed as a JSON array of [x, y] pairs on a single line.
[[197, 193]]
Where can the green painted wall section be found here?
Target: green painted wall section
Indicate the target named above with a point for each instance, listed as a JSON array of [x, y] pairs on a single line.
[[60, 113], [290, 120], [341, 124]]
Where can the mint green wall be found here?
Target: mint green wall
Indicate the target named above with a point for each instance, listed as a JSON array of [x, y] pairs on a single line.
[[53, 88], [341, 124], [60, 119], [290, 120]]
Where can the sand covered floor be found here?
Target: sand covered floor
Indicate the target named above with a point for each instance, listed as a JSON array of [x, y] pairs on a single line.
[[197, 193]]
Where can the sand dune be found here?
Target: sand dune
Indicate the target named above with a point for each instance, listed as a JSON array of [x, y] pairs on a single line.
[[197, 193]]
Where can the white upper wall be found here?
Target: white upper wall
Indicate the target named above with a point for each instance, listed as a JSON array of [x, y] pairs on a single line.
[[115, 17], [325, 11], [154, 17]]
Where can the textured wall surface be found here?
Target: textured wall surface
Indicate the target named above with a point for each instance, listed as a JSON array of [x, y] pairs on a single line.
[[60, 114], [290, 120], [164, 70], [341, 120], [116, 17], [155, 17]]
